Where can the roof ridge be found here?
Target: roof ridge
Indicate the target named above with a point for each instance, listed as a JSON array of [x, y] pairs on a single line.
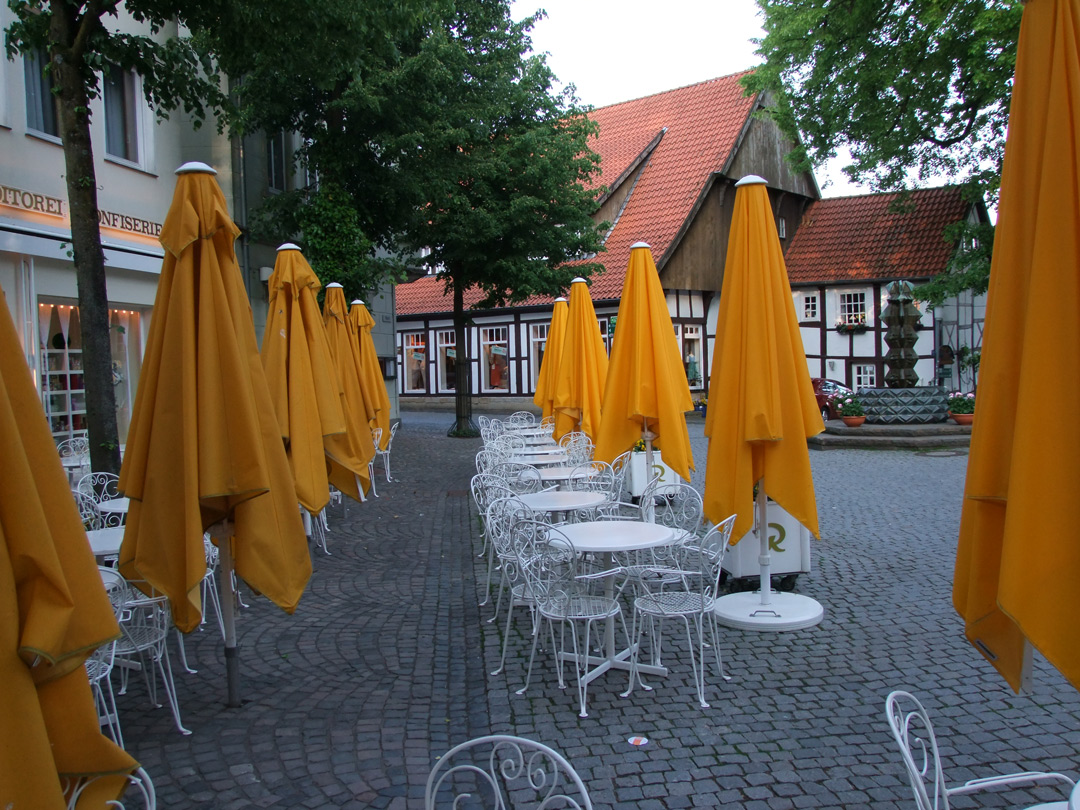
[[674, 89]]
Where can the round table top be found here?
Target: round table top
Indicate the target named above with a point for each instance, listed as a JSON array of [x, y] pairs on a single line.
[[600, 536], [539, 450], [115, 505], [540, 460], [562, 473], [540, 440], [562, 500], [527, 430], [106, 542]]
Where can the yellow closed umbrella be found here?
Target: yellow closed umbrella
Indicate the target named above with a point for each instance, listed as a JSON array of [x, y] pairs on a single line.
[[301, 376], [1018, 557], [53, 613], [579, 386], [371, 372], [352, 451], [544, 398], [647, 394], [204, 448], [762, 409]]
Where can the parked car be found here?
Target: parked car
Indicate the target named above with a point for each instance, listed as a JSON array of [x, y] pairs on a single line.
[[824, 391]]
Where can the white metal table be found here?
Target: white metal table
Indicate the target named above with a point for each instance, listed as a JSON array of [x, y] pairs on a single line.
[[607, 537], [116, 506], [559, 501], [540, 460]]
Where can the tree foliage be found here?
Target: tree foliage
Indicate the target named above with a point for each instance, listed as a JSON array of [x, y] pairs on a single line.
[[915, 89]]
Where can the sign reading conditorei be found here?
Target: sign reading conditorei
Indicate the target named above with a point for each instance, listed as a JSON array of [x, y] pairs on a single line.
[[57, 207]]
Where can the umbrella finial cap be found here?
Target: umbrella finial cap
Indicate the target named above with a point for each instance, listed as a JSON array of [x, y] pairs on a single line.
[[637, 245], [579, 278], [332, 284], [288, 246], [751, 180], [357, 301], [196, 166], [560, 298]]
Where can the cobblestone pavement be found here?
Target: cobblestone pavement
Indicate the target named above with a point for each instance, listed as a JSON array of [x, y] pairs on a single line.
[[385, 665]]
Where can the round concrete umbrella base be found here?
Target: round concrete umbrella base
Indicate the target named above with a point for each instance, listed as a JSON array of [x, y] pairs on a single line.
[[786, 611]]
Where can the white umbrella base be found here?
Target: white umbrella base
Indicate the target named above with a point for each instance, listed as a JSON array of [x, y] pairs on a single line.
[[787, 611]]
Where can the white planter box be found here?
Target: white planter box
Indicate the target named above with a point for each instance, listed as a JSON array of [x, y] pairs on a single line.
[[789, 547], [638, 479]]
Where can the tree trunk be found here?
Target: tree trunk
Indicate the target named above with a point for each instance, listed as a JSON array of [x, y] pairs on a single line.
[[463, 426], [89, 259]]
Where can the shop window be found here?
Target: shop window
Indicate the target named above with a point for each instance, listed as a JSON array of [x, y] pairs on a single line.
[[494, 351], [538, 333], [275, 161], [415, 362], [446, 341], [41, 104]]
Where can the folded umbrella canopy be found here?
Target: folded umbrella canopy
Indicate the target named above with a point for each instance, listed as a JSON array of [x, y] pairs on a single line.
[[1018, 557], [53, 613], [301, 376], [352, 451], [544, 398], [204, 447], [579, 386], [762, 408], [646, 394], [371, 378]]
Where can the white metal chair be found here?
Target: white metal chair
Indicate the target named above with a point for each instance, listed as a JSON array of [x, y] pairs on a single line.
[[911, 728], [138, 779], [385, 454], [521, 478], [521, 419], [502, 514], [688, 593], [502, 772], [144, 627], [376, 438], [619, 467], [88, 511], [99, 665], [563, 595], [485, 488], [100, 487], [75, 453]]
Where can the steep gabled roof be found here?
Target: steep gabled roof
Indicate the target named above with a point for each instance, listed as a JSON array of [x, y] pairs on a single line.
[[683, 136], [860, 239]]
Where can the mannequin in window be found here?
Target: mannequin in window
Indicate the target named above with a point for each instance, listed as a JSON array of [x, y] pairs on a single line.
[[692, 375]]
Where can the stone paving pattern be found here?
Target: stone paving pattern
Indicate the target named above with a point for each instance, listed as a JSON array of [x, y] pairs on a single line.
[[385, 665]]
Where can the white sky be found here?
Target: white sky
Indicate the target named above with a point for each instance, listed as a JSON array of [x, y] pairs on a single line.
[[617, 50]]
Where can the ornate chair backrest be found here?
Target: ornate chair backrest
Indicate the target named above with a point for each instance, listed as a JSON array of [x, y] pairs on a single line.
[[501, 771], [73, 448], [548, 423], [502, 513], [580, 450], [548, 563], [101, 486], [594, 476], [393, 432], [911, 728], [521, 419], [486, 460], [707, 556], [376, 436], [483, 422], [619, 466], [521, 478], [116, 588], [507, 445], [485, 488], [88, 511], [678, 506]]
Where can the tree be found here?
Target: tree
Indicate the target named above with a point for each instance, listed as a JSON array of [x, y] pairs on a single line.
[[916, 90], [506, 168]]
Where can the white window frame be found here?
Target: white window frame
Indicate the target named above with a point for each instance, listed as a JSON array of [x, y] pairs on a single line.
[[446, 342], [781, 227], [852, 307], [602, 323], [691, 332], [272, 181], [413, 343], [864, 375], [810, 307], [139, 117], [538, 335], [38, 85], [495, 338]]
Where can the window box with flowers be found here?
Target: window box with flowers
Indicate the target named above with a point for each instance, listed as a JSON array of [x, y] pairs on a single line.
[[850, 409], [854, 326], [962, 407]]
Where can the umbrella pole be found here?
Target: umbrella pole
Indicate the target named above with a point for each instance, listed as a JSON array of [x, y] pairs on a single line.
[[223, 532], [765, 560], [648, 436]]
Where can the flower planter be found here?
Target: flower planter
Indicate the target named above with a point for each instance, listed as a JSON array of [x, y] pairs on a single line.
[[700, 410], [638, 479], [962, 418], [853, 421], [789, 547]]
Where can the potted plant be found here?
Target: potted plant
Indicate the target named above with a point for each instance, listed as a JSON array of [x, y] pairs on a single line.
[[638, 475], [962, 407], [850, 409]]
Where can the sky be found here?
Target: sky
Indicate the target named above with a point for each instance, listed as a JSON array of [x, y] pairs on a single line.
[[618, 50]]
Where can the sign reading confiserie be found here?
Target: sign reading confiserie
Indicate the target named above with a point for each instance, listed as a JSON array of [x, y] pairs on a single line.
[[57, 207]]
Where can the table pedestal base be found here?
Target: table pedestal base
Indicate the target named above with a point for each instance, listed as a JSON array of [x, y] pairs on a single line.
[[620, 661], [788, 611]]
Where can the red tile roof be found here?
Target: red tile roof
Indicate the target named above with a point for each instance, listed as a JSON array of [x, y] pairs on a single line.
[[860, 238], [700, 126]]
